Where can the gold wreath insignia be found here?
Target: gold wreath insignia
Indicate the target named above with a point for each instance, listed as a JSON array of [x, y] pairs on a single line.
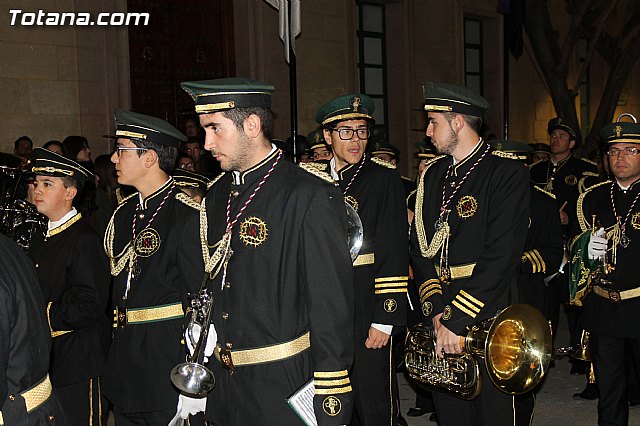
[[147, 242], [571, 180], [390, 305], [253, 231], [332, 406], [446, 314], [351, 200], [427, 307], [467, 206], [635, 221]]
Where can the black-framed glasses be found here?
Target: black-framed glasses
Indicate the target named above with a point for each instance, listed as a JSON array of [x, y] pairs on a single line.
[[119, 149], [628, 151], [347, 134]]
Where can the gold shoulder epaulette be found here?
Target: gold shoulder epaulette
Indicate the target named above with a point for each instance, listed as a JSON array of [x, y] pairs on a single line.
[[434, 159], [586, 160], [181, 196], [320, 166], [214, 180], [544, 191], [502, 154], [310, 168], [121, 199], [597, 185], [590, 174], [383, 163]]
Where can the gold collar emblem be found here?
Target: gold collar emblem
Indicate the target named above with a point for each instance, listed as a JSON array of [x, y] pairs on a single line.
[[253, 231], [355, 103], [147, 242], [332, 406]]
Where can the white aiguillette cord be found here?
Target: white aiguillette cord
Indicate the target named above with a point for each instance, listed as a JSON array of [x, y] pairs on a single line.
[[223, 252]]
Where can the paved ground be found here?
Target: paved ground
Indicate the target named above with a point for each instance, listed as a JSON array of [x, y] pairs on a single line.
[[554, 403]]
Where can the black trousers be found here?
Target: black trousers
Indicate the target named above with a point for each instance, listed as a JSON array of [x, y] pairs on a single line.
[[375, 387], [83, 403], [491, 408], [608, 354]]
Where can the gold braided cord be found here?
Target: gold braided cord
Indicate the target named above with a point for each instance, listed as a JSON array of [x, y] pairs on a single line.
[[584, 224], [426, 249], [119, 261], [221, 246]]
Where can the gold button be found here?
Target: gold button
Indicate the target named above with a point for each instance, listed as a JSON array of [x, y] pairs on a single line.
[[229, 345], [234, 194], [225, 315], [51, 418], [12, 397], [37, 265], [141, 216]]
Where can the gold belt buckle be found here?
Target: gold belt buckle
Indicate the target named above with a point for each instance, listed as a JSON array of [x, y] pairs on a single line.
[[614, 295], [121, 317], [225, 359]]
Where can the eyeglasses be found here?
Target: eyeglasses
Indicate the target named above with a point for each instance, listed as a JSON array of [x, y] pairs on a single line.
[[119, 149], [321, 155], [615, 152], [347, 134]]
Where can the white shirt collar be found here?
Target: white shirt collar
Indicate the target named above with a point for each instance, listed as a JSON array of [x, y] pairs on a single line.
[[472, 150], [332, 168], [54, 224]]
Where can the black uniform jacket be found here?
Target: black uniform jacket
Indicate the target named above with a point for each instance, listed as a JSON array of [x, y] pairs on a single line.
[[543, 249], [564, 178], [74, 276], [488, 226], [290, 273], [381, 271], [142, 355], [601, 315], [25, 337]]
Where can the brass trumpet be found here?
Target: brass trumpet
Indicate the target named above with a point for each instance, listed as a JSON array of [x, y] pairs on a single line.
[[192, 377]]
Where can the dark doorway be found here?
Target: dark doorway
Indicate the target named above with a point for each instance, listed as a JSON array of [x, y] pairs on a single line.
[[186, 40]]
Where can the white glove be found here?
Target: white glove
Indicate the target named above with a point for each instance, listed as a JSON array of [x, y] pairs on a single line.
[[187, 406], [597, 245], [212, 339]]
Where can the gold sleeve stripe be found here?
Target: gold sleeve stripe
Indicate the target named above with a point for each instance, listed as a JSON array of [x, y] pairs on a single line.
[[468, 304], [389, 279], [327, 383], [471, 298], [463, 309], [330, 374], [543, 265], [428, 295], [399, 290], [534, 264], [534, 261], [430, 284], [390, 285], [333, 391]]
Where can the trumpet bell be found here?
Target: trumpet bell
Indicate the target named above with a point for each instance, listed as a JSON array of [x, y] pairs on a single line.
[[582, 352], [193, 378], [354, 231], [518, 349]]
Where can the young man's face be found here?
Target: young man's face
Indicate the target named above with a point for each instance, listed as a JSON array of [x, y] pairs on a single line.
[[322, 153], [626, 168], [441, 133], [51, 198], [130, 168], [191, 128], [193, 150], [84, 154], [23, 148], [347, 151], [560, 142], [228, 145]]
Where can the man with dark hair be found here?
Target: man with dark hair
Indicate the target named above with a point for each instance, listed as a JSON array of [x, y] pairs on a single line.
[[380, 272], [469, 230], [23, 146], [561, 175], [74, 276], [25, 388], [150, 281], [607, 253], [274, 242]]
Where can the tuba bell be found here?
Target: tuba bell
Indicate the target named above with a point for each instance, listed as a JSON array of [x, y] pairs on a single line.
[[515, 344], [192, 377]]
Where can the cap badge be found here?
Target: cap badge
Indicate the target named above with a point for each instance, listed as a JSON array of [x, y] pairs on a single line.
[[253, 231], [355, 103], [332, 406], [618, 130]]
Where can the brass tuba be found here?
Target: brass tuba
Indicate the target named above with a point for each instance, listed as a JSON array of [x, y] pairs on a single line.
[[516, 346]]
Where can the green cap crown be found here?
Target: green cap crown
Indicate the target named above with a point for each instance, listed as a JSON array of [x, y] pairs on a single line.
[[561, 124], [539, 147], [227, 93], [315, 139], [48, 163], [621, 132], [441, 97], [355, 106], [142, 127]]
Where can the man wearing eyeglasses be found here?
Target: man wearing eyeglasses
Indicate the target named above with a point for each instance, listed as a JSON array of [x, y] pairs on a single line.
[[150, 281], [376, 192], [612, 304]]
